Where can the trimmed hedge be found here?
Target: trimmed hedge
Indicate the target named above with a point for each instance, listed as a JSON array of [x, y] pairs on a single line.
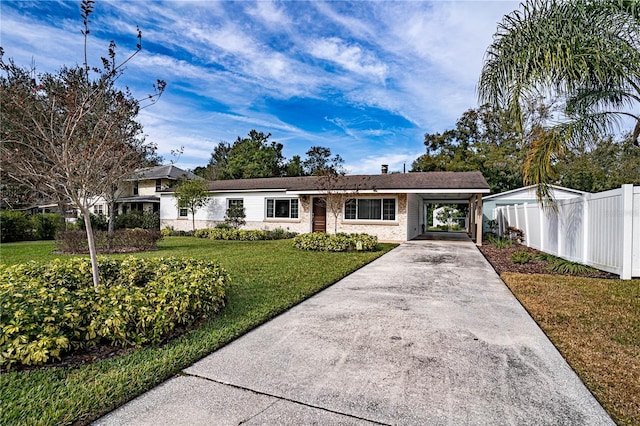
[[335, 242], [121, 240], [49, 309], [243, 234]]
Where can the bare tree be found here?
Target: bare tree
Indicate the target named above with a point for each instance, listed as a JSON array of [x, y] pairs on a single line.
[[191, 194], [71, 133], [338, 189]]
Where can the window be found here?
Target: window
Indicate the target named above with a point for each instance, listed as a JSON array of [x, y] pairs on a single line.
[[286, 208], [98, 209], [182, 211], [235, 203], [135, 188], [370, 209], [158, 185]]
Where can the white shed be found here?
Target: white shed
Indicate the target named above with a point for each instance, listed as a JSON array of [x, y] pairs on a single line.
[[526, 194]]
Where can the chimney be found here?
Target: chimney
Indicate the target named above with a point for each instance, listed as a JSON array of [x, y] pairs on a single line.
[[385, 169]]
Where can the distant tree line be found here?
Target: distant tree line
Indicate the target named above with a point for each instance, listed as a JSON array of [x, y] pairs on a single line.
[[255, 156], [486, 139]]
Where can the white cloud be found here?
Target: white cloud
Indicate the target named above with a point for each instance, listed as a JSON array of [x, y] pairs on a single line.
[[348, 55], [269, 13]]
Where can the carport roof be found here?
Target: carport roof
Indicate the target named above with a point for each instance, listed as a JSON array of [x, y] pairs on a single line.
[[416, 182]]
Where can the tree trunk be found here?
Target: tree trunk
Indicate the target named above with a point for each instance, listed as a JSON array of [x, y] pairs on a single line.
[[112, 217], [193, 221], [92, 247]]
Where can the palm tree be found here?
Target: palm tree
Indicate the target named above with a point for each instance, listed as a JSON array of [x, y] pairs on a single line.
[[584, 52]]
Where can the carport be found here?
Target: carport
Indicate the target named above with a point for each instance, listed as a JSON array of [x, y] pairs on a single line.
[[470, 196]]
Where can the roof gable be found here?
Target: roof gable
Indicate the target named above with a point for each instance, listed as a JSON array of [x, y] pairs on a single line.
[[529, 193], [168, 171]]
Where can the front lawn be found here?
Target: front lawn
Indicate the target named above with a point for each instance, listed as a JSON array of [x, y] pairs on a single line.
[[268, 277], [595, 324]]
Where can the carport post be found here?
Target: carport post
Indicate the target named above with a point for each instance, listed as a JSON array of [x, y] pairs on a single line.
[[479, 219]]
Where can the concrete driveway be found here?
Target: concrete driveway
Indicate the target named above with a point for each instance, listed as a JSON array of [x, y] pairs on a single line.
[[426, 335]]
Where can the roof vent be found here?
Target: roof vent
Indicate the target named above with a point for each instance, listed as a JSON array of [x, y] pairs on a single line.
[[385, 169]]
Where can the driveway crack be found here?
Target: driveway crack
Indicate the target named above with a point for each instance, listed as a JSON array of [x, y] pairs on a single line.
[[281, 398]]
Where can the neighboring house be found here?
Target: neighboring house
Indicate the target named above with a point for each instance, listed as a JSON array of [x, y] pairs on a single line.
[[141, 191], [520, 196], [390, 206], [458, 219]]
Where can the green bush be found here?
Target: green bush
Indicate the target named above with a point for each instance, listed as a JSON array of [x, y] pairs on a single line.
[[521, 257], [120, 240], [138, 219], [498, 241], [224, 233], [45, 225], [320, 241], [49, 309], [169, 231], [20, 226], [14, 226], [564, 266], [99, 222]]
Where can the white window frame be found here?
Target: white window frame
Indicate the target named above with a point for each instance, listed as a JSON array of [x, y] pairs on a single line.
[[235, 200], [274, 200], [182, 210], [381, 219]]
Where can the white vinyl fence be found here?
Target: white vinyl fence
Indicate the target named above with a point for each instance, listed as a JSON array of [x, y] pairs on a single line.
[[600, 230]]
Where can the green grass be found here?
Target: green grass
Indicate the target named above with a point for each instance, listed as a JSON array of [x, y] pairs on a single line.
[[268, 277], [595, 323]]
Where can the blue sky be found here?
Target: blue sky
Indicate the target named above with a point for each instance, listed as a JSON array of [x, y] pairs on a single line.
[[366, 79]]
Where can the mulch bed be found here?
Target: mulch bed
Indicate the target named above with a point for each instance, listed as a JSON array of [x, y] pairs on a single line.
[[500, 259]]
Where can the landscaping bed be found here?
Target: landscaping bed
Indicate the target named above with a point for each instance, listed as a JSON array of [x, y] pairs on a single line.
[[501, 260]]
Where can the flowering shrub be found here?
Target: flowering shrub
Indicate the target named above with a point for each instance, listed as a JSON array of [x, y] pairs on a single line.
[[335, 242], [49, 309]]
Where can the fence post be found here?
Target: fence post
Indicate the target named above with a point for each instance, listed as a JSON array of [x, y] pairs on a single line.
[[586, 240], [543, 230], [561, 236], [627, 231], [527, 239]]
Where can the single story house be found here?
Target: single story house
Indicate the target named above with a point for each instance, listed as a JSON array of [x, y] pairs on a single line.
[[390, 206], [523, 195]]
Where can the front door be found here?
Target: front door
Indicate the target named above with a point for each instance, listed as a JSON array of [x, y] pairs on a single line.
[[319, 216]]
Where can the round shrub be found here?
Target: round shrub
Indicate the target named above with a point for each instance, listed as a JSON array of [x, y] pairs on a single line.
[[521, 257], [335, 242], [49, 309]]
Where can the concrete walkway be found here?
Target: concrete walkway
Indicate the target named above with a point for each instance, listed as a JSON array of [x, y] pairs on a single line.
[[425, 335]]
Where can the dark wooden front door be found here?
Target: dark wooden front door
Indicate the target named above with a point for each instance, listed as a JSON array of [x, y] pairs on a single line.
[[319, 219]]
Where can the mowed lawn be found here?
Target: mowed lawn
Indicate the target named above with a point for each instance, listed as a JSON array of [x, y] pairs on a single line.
[[595, 324], [268, 277]]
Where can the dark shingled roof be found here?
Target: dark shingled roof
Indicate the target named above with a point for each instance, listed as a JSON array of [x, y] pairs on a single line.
[[162, 172], [395, 181]]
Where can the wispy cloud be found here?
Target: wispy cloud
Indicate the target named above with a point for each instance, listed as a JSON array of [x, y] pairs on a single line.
[[349, 56], [366, 79]]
